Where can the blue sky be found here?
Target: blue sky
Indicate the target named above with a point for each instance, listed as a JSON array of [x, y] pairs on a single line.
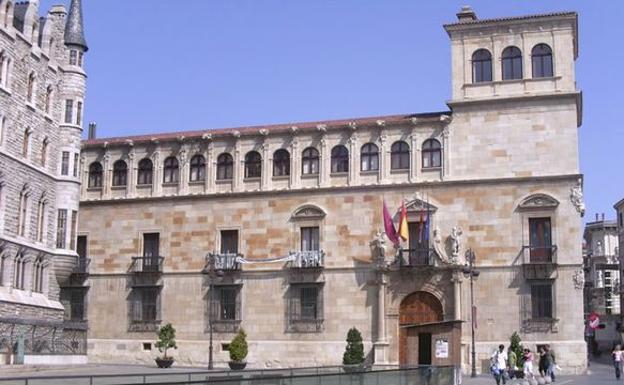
[[157, 65]]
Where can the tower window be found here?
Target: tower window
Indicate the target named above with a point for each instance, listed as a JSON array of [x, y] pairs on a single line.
[[44, 151], [48, 99], [541, 60], [26, 143], [73, 57], [30, 93], [76, 160], [69, 111], [79, 114], [512, 63], [481, 66], [65, 163], [61, 229]]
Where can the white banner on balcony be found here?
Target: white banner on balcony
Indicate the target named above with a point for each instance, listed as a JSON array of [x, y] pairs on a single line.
[[287, 258]]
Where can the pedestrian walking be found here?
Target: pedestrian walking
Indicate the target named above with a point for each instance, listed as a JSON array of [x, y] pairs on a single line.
[[512, 361], [549, 362], [541, 362], [498, 364], [527, 366], [617, 360]]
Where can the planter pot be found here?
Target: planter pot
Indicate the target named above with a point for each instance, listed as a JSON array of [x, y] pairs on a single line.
[[353, 368], [164, 362], [237, 365]]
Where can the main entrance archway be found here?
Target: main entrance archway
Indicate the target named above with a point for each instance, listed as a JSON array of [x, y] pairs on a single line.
[[415, 343]]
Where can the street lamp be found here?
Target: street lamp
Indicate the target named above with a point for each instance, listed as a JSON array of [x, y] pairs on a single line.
[[212, 274], [470, 271]]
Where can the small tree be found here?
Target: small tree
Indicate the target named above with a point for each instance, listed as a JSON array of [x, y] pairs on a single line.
[[238, 347], [354, 353], [166, 339], [516, 347]]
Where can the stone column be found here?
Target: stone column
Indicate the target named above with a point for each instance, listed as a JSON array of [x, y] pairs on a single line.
[[239, 166], [381, 344], [383, 159], [132, 171], [209, 183], [157, 174], [106, 179], [457, 280], [324, 163], [295, 173], [183, 158], [266, 167], [415, 159], [354, 160]]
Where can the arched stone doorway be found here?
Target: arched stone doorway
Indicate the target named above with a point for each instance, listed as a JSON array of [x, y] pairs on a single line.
[[415, 344]]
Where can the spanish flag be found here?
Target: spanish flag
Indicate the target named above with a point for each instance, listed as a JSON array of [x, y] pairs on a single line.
[[403, 232]]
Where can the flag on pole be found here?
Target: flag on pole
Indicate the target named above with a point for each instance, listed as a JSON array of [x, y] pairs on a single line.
[[389, 225], [403, 231]]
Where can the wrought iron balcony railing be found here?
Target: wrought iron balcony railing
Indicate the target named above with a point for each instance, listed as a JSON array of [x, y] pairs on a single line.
[[539, 254], [147, 265], [82, 267], [417, 257], [222, 262], [308, 259]]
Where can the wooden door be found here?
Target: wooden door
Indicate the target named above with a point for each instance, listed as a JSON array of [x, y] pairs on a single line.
[[416, 309]]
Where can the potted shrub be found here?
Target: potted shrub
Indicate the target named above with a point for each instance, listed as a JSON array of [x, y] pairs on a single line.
[[238, 351], [166, 340], [516, 346], [353, 357]]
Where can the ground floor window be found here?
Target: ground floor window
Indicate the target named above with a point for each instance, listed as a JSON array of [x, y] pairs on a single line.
[[305, 307], [541, 301], [74, 300], [224, 308], [144, 308]]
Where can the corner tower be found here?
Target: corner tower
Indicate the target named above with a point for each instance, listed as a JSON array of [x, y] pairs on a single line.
[[72, 97]]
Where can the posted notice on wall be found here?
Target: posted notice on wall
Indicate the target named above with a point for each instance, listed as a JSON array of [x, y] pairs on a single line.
[[441, 348]]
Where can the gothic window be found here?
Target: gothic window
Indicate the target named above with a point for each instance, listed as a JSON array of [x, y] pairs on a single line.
[[339, 159], [310, 161], [198, 168], [64, 163], [95, 175], [19, 272], [145, 171], [431, 154], [26, 143], [7, 14], [73, 229], [369, 157], [73, 57], [41, 215], [69, 111], [48, 100], [541, 60], [38, 274], [79, 114], [30, 88], [3, 126], [76, 163], [120, 173], [481, 66], [23, 214], [171, 170], [253, 165], [281, 163], [44, 151], [512, 63], [61, 229], [5, 69], [225, 167], [80, 58], [542, 300], [400, 156]]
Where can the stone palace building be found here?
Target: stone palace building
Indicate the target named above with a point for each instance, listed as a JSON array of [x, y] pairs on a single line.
[[42, 90], [277, 229]]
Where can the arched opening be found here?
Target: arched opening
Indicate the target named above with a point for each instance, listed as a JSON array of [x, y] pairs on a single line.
[[417, 312]]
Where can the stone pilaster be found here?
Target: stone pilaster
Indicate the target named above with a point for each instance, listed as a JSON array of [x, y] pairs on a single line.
[[381, 343], [354, 160], [383, 158], [132, 172], [295, 172], [266, 182], [324, 162]]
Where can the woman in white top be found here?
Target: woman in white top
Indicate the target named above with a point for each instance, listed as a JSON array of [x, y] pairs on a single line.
[[617, 355]]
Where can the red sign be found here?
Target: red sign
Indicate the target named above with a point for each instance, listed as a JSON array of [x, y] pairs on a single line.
[[594, 320]]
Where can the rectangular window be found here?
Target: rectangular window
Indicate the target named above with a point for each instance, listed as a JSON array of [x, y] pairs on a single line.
[[540, 238], [305, 308], [541, 300], [76, 160], [225, 307], [229, 241], [80, 59], [151, 252], [61, 229], [310, 239], [65, 163], [79, 114], [309, 302], [81, 250], [73, 57], [227, 303], [77, 304], [74, 225], [144, 306], [69, 111]]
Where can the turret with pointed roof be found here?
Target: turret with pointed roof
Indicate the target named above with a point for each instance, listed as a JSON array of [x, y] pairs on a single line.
[[74, 30]]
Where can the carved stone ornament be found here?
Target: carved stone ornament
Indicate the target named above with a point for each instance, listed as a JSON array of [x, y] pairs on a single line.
[[378, 249], [321, 127], [576, 197], [578, 279], [538, 201], [456, 233], [309, 212], [264, 132]]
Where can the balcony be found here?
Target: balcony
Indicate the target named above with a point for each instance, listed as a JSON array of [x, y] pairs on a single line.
[[416, 257], [82, 267], [539, 262], [147, 265], [222, 262], [309, 259]]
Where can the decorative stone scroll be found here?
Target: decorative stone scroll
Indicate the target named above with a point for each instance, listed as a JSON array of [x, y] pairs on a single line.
[[309, 212]]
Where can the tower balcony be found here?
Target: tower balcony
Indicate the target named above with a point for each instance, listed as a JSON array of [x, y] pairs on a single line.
[[419, 257], [539, 262]]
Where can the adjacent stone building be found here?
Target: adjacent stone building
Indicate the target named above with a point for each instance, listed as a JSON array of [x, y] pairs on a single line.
[[619, 217], [278, 229], [42, 88]]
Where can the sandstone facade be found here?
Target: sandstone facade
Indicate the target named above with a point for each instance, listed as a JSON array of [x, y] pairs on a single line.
[[502, 162]]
